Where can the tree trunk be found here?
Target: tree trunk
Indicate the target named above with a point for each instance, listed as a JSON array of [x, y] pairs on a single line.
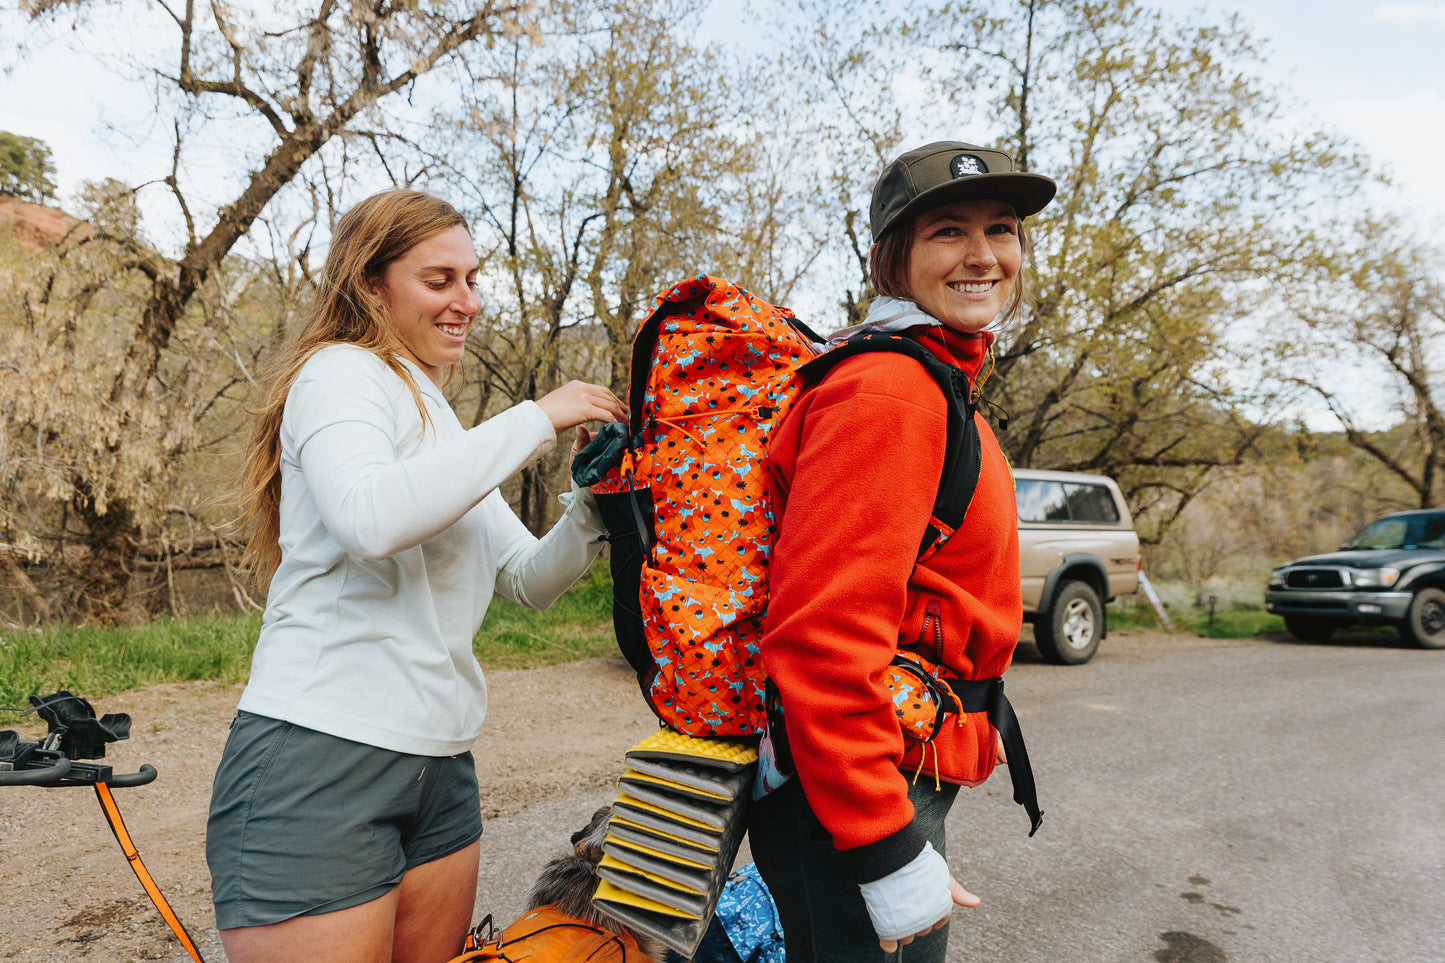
[[112, 535], [39, 608], [111, 538]]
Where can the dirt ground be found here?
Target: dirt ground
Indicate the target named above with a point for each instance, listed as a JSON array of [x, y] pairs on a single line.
[[552, 734]]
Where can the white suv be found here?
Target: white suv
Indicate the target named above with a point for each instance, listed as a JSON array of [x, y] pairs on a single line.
[[1077, 550]]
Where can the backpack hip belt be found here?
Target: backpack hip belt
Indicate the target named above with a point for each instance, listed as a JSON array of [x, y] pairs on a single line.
[[986, 695]]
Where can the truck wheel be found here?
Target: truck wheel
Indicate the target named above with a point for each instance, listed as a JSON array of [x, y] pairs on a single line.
[[1308, 630], [1068, 634], [1424, 623]]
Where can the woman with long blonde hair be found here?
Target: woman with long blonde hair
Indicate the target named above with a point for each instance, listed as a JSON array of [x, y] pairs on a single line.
[[345, 814]]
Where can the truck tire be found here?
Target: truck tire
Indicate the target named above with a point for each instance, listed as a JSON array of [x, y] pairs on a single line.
[[1307, 629], [1424, 623], [1068, 633]]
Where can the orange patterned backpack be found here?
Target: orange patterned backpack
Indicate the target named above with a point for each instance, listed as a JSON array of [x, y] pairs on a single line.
[[548, 935], [686, 497]]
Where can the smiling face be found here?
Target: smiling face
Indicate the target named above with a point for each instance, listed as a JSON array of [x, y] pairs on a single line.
[[430, 295], [963, 262]]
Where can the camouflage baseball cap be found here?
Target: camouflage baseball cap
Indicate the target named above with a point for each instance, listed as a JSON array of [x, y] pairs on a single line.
[[947, 171]]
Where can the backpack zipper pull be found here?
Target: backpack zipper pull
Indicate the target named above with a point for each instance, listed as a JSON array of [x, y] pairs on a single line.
[[999, 414]]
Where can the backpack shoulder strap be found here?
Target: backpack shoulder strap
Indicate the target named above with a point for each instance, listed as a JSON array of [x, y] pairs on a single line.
[[681, 298], [962, 458]]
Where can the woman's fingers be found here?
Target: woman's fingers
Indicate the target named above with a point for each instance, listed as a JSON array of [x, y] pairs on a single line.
[[577, 402], [583, 439], [888, 946], [961, 897]]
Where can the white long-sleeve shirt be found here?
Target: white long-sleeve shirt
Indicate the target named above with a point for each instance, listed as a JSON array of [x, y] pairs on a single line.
[[393, 539]]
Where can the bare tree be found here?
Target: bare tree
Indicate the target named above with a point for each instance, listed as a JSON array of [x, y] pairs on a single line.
[[1372, 348], [616, 161], [294, 80]]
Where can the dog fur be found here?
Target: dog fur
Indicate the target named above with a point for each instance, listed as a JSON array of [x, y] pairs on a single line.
[[568, 882]]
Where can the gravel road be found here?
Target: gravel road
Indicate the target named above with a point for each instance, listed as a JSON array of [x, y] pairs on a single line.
[[548, 756]]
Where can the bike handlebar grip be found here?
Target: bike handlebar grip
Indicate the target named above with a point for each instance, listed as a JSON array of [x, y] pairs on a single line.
[[146, 773], [38, 777]]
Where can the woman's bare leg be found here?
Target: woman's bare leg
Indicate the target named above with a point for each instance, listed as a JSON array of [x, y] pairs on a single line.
[[435, 906], [357, 934], [424, 919]]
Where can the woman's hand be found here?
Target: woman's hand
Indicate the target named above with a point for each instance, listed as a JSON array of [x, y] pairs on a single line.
[[577, 402], [961, 897], [583, 439]]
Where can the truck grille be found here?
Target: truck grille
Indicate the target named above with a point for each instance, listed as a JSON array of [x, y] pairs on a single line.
[[1314, 578]]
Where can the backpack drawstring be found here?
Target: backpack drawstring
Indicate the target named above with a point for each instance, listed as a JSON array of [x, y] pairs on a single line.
[[672, 421], [937, 783]]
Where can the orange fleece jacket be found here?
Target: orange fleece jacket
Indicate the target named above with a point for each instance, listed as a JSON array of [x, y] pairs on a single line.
[[855, 470]]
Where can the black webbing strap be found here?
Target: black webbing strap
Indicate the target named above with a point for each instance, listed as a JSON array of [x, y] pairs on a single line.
[[963, 458], [986, 695]]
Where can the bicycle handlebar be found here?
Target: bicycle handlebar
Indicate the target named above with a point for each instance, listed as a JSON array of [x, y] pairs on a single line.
[[146, 773], [44, 776], [74, 733], [64, 772]]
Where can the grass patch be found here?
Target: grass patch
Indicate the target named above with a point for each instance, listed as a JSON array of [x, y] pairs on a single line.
[[1232, 623], [1229, 621], [577, 626], [98, 662]]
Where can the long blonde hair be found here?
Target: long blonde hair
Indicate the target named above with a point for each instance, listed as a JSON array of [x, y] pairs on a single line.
[[347, 310]]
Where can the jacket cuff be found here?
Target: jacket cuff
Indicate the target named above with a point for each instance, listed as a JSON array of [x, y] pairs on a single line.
[[539, 423], [889, 854], [581, 508]]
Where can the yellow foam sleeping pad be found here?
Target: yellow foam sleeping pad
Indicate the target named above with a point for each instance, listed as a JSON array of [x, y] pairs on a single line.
[[677, 823]]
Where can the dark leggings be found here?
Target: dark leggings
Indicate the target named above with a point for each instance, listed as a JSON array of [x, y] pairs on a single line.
[[823, 915]]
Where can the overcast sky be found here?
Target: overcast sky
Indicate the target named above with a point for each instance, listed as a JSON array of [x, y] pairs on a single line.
[[1373, 71]]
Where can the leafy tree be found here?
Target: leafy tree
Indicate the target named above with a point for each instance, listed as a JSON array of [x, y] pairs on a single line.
[[1183, 206], [67, 317], [607, 165], [684, 180], [846, 100], [625, 154], [26, 169]]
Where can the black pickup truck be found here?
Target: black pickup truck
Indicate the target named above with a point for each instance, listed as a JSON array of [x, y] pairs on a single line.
[[1393, 572]]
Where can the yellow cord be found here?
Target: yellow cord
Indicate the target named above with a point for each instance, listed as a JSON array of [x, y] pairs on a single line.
[[937, 784], [992, 361]]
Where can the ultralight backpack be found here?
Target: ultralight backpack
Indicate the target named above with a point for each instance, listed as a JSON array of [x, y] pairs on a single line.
[[686, 497], [547, 935]]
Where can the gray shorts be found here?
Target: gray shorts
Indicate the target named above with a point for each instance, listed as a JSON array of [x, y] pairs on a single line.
[[304, 823]]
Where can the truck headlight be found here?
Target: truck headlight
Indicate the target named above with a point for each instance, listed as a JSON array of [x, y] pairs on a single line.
[[1377, 577], [1276, 578]]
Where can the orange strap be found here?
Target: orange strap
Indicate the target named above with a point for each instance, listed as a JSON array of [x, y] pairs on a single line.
[[117, 826]]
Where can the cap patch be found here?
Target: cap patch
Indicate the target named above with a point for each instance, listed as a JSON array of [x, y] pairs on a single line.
[[965, 165]]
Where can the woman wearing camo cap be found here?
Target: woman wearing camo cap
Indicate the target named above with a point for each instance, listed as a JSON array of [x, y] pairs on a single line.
[[853, 847]]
